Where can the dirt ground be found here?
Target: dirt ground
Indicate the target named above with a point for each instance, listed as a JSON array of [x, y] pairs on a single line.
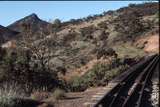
[[151, 43], [77, 99]]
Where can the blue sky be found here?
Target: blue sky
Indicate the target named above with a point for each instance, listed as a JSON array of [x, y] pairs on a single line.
[[12, 11]]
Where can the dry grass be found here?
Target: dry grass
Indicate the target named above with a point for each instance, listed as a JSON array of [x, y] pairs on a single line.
[[128, 50], [8, 93]]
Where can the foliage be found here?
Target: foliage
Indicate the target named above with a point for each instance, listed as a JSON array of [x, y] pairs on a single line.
[[129, 25], [99, 75], [77, 84], [8, 93], [87, 31], [6, 101], [57, 23], [39, 95], [28, 65], [127, 49], [18, 67], [59, 94], [157, 14], [103, 25], [106, 52]]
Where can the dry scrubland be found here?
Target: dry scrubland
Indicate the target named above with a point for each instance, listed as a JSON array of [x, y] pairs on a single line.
[[40, 62]]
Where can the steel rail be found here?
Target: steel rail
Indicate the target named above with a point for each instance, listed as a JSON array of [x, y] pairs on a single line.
[[140, 84], [133, 72], [139, 102], [128, 88]]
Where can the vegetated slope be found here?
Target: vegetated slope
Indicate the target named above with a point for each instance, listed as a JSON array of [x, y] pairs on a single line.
[[85, 40], [79, 41], [77, 54], [6, 34], [75, 44]]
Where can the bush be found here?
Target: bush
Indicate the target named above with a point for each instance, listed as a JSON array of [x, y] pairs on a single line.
[[99, 75], [132, 5], [6, 100], [8, 95], [39, 96], [59, 94], [57, 23], [106, 52], [129, 25], [77, 84], [92, 78], [19, 68], [87, 31], [96, 75], [2, 53], [103, 25]]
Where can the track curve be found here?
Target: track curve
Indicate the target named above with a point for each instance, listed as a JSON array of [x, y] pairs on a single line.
[[130, 92]]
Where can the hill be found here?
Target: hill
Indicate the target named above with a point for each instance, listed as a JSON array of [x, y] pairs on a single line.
[[77, 54], [32, 21], [7, 34], [79, 51], [77, 42]]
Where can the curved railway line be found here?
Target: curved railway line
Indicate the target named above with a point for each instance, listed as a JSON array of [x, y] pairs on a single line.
[[134, 89]]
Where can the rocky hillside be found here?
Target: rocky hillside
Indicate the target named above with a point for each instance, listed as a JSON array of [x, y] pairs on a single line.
[[73, 48], [7, 34], [77, 42], [31, 22]]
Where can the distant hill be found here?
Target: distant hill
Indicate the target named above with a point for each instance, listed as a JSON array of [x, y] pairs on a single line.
[[36, 24], [6, 34]]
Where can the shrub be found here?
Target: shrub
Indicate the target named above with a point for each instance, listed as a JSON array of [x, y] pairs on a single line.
[[6, 101], [8, 94], [39, 95], [157, 14], [59, 94], [2, 53], [106, 52], [77, 84], [99, 75], [156, 18], [94, 78], [21, 69], [87, 31], [57, 22], [129, 25], [96, 74], [132, 5], [103, 25]]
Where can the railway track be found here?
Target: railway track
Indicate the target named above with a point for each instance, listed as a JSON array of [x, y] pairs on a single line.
[[133, 90]]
